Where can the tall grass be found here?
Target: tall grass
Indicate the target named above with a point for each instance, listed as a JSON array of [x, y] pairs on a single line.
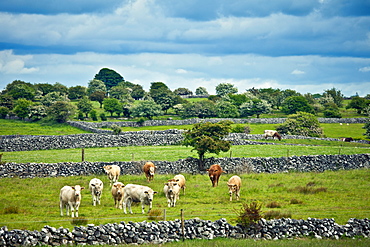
[[37, 200]]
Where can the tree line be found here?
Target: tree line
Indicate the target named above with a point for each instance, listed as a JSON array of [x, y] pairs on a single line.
[[119, 97]]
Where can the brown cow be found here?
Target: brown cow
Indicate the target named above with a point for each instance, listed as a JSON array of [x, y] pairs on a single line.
[[214, 173], [234, 185], [149, 170], [117, 193]]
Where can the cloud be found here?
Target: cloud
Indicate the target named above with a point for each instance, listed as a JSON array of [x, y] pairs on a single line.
[[298, 72], [365, 69], [12, 64]]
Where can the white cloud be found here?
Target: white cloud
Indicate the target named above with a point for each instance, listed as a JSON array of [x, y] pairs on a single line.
[[14, 64], [365, 69], [298, 72]]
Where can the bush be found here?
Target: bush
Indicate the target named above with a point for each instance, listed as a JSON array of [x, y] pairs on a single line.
[[3, 112], [295, 201], [155, 214], [116, 129], [78, 221], [80, 116], [93, 115], [249, 214], [273, 205], [103, 117]]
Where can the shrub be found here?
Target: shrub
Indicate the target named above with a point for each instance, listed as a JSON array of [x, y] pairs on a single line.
[[80, 116], [11, 210], [93, 115], [295, 201], [249, 214], [273, 205], [116, 129], [103, 117], [3, 111], [155, 214], [78, 221], [269, 215], [241, 129]]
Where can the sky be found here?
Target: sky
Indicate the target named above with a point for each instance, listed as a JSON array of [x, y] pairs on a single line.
[[308, 45]]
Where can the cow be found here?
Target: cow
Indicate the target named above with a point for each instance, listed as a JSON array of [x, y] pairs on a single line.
[[96, 189], [273, 134], [137, 193], [70, 197], [214, 173], [234, 185], [171, 190], [180, 180], [149, 170], [117, 193], [113, 172], [346, 139]]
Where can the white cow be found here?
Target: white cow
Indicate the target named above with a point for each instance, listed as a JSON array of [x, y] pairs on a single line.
[[113, 172], [96, 189], [137, 193], [234, 185], [70, 197], [171, 190], [117, 193], [272, 133]]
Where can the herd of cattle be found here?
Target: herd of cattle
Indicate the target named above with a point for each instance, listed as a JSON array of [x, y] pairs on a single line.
[[124, 195]]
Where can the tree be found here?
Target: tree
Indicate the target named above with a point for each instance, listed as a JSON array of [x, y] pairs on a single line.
[[225, 109], [112, 105], [183, 91], [146, 108], [238, 99], [294, 104], [336, 95], [254, 106], [3, 112], [137, 92], [44, 88], [77, 92], [98, 96], [22, 91], [206, 137], [162, 95], [223, 89], [58, 87], [53, 97], [22, 108], [110, 77], [201, 91], [201, 109], [301, 123], [85, 106], [121, 93], [96, 85], [358, 103], [60, 111], [37, 112]]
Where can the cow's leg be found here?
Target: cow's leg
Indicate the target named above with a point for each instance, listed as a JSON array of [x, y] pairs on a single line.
[[238, 194], [129, 206], [94, 199], [124, 206], [72, 209], [98, 199], [61, 208], [76, 209]]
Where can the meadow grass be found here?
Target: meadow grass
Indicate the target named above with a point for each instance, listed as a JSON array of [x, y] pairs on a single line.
[[174, 153], [35, 202]]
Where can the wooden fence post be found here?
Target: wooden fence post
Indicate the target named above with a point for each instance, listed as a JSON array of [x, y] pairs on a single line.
[[182, 225], [83, 155]]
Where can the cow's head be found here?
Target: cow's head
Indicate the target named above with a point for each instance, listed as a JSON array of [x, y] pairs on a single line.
[[98, 187], [152, 170], [171, 186], [107, 168], [77, 189], [232, 188], [119, 186], [149, 194]]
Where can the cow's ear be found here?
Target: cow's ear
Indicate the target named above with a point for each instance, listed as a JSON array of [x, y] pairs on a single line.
[[207, 170], [82, 188], [174, 183], [165, 183], [93, 185], [73, 188], [155, 192], [115, 185]]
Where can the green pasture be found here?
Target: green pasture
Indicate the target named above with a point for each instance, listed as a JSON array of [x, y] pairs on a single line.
[[33, 203]]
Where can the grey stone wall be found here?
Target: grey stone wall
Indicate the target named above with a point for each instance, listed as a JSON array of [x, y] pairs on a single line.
[[312, 163], [170, 231]]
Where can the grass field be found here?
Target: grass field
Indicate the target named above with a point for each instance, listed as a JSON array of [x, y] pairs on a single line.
[[34, 203]]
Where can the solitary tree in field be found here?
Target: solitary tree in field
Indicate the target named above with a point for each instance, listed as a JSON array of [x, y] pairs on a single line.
[[301, 123], [206, 137]]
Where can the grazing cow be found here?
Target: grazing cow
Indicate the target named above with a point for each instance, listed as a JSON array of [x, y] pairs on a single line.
[[96, 189], [346, 139], [70, 197], [137, 193], [234, 185], [273, 134], [113, 172], [149, 170], [214, 173], [180, 180], [117, 193], [171, 190]]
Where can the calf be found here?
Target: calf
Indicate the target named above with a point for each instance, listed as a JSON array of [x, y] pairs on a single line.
[[180, 180], [117, 193], [70, 197], [113, 172], [214, 173], [171, 190], [273, 134], [149, 170], [234, 185], [96, 189], [137, 193]]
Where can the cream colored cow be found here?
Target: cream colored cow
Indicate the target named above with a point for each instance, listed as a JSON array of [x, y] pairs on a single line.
[[234, 185]]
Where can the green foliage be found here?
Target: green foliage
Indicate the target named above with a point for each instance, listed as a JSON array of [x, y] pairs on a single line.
[[201, 91], [53, 97], [224, 89], [103, 117], [367, 128], [294, 104], [336, 95], [77, 92], [37, 112], [358, 103], [137, 92], [254, 107], [269, 215], [93, 115], [208, 137], [225, 109], [84, 105], [79, 221], [183, 91], [22, 108], [96, 85], [146, 108], [98, 96], [155, 214], [162, 95], [110, 77], [20, 90], [80, 116], [273, 204], [112, 105], [60, 111], [3, 111], [200, 109], [249, 214], [238, 99], [116, 129], [332, 113], [302, 123]]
